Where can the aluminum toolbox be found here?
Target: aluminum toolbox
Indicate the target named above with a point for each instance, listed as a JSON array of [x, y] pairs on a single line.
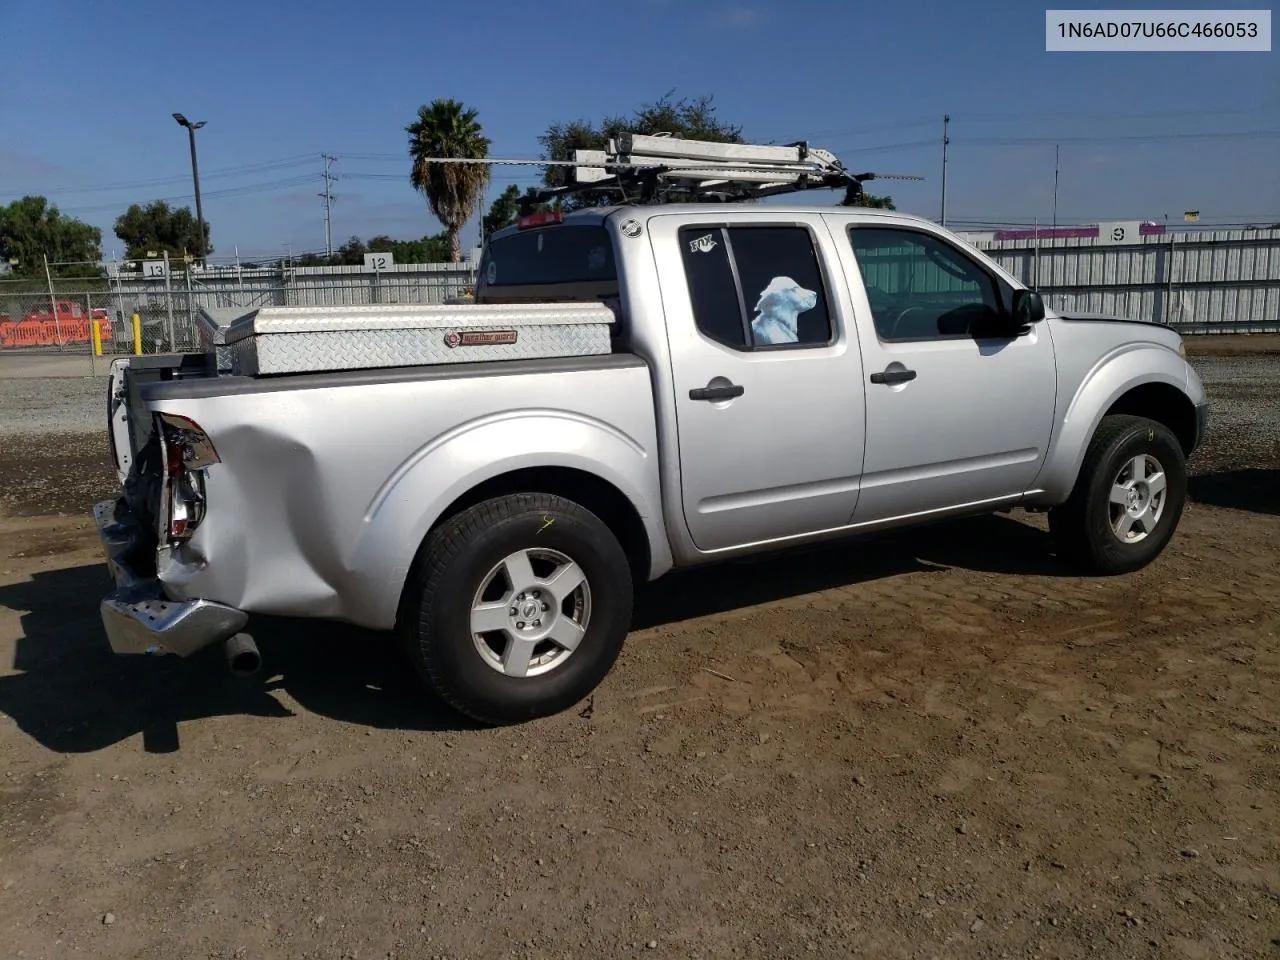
[[211, 328], [273, 340]]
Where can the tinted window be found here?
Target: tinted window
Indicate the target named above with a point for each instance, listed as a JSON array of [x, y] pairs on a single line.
[[712, 291], [556, 254], [921, 288], [777, 297]]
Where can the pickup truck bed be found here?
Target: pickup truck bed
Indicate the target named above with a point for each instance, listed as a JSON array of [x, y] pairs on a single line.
[[349, 450]]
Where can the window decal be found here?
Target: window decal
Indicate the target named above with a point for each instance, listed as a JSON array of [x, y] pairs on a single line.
[[778, 311], [704, 244]]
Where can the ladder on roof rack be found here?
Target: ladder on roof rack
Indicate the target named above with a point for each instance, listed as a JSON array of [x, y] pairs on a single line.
[[645, 167]]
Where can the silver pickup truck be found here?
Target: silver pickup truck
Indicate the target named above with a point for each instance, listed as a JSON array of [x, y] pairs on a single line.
[[777, 375]]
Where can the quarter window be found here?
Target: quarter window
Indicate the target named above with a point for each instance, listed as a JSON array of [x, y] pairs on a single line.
[[920, 288], [757, 287]]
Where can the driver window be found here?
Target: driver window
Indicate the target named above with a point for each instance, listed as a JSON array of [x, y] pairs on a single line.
[[920, 288]]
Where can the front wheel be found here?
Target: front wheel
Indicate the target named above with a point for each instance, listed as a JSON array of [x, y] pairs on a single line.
[[1127, 500], [519, 607]]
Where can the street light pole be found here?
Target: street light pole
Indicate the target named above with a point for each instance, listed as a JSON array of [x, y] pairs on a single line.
[[195, 176]]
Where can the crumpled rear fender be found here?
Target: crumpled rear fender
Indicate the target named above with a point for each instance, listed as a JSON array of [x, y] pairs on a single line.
[[411, 501]]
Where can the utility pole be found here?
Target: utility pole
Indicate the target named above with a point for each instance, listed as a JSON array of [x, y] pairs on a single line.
[[946, 119], [1056, 147], [195, 174], [328, 198]]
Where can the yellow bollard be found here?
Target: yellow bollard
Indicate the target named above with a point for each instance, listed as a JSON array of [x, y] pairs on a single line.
[[97, 338], [137, 335]]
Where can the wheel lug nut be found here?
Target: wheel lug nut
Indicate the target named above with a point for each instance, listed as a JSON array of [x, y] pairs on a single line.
[[537, 594], [520, 625], [537, 623], [545, 608], [514, 611]]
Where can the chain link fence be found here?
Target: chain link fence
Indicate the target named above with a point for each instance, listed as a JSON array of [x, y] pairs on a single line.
[[91, 320]]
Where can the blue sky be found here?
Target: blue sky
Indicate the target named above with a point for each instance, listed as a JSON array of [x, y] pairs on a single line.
[[92, 87]]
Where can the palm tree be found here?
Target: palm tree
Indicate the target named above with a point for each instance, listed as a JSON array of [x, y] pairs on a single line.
[[447, 129]]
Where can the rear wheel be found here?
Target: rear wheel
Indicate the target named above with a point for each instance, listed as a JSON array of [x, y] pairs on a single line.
[[1127, 500], [518, 608]]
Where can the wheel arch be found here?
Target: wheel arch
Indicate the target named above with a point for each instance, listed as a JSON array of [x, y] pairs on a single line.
[[573, 456], [1158, 391], [584, 488], [1163, 403]]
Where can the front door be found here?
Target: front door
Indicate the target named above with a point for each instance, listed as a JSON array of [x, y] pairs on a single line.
[[959, 413], [768, 382]]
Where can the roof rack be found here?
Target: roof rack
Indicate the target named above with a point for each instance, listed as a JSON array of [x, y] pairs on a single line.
[[646, 168]]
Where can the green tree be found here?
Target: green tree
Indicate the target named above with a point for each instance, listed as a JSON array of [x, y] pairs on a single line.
[[505, 210], [871, 200], [433, 248], [32, 228], [502, 212], [157, 227], [690, 118], [448, 129]]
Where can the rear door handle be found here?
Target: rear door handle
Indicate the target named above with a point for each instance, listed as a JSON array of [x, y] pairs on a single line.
[[725, 392], [893, 376]]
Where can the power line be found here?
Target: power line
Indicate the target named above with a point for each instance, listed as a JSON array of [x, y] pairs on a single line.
[[1124, 138], [226, 192], [264, 166]]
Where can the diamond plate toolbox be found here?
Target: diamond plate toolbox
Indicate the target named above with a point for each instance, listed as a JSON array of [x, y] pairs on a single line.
[[273, 340], [211, 328]]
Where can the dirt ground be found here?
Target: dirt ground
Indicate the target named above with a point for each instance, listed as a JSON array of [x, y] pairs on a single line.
[[931, 744]]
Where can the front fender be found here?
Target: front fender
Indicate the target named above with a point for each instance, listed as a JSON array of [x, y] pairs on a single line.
[[1118, 372], [399, 516]]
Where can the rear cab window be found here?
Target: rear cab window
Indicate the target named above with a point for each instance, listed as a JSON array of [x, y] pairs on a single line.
[[550, 263]]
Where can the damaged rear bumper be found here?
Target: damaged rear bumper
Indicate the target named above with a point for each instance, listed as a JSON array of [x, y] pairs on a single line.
[[137, 615]]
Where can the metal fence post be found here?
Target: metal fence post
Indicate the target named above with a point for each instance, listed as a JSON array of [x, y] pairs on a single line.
[[53, 300], [168, 301]]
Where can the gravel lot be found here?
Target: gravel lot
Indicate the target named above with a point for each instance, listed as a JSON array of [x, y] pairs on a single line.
[[934, 744]]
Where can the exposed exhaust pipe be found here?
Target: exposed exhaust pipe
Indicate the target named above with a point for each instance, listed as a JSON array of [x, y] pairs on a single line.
[[243, 657]]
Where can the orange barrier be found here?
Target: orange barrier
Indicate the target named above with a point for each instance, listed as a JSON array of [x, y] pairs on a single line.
[[49, 333]]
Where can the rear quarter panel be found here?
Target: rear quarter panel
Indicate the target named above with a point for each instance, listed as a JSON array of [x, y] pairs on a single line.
[[326, 489]]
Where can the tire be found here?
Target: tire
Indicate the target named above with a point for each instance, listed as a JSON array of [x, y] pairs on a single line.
[[1084, 528], [479, 674]]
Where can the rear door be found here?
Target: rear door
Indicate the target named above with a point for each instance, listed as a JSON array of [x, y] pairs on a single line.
[[768, 380]]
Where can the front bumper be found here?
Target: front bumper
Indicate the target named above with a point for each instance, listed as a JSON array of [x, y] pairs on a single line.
[[137, 616]]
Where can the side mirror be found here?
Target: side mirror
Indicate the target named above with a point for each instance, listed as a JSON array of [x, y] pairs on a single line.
[[1028, 308]]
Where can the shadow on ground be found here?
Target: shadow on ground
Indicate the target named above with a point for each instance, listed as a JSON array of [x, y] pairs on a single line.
[[1255, 489], [73, 695]]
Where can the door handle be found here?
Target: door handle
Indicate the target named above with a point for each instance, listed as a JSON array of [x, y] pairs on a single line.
[[893, 376], [725, 392]]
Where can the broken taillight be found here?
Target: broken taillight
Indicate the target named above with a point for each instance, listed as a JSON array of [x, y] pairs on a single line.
[[188, 453]]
